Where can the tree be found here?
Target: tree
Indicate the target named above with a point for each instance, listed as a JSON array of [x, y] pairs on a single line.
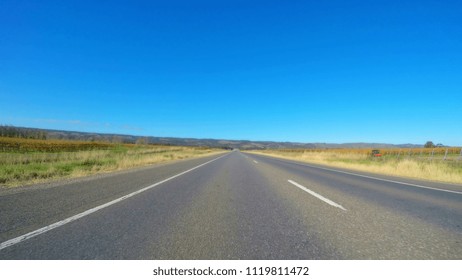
[[117, 140], [429, 144], [142, 141]]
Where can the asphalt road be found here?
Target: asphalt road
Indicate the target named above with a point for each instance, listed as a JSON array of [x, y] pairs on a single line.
[[233, 206]]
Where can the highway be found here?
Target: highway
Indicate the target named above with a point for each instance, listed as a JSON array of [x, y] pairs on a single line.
[[233, 206]]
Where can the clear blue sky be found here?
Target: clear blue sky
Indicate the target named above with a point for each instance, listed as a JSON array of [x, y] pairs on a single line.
[[302, 71]]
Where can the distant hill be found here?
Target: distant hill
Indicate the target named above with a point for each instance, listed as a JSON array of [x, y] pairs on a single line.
[[23, 132]]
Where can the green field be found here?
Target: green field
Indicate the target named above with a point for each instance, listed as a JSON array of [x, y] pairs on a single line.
[[27, 161]]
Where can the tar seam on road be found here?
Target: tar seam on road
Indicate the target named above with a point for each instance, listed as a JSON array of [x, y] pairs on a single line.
[[39, 231], [326, 200], [374, 178]]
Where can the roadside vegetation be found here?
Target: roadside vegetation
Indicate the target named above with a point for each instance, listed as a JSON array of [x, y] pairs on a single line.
[[27, 161], [435, 164]]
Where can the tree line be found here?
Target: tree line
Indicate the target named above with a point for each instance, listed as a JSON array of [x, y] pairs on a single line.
[[26, 133]]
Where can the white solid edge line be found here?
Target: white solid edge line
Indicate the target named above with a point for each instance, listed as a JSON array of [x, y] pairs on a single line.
[[326, 200], [375, 178], [385, 180], [39, 231]]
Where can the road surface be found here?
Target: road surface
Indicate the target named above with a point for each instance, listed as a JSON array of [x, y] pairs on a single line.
[[233, 206]]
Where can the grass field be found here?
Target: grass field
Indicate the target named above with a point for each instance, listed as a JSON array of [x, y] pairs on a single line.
[[27, 161], [426, 164]]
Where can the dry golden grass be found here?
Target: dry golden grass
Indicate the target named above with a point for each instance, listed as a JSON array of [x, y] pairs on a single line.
[[21, 168], [413, 167]]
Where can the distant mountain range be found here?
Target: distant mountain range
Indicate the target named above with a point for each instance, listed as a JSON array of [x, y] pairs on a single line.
[[12, 131]]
